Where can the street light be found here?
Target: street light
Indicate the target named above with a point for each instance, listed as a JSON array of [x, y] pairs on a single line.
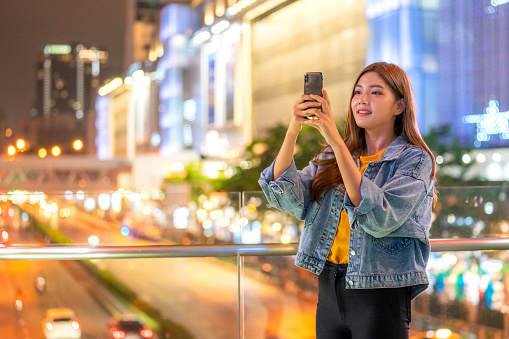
[[55, 151], [11, 150], [77, 144], [42, 153], [20, 144]]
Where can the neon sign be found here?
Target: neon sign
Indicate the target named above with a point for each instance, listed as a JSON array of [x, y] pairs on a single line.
[[491, 123]]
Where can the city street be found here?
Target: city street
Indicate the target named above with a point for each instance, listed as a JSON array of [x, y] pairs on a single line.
[[63, 290], [201, 293]]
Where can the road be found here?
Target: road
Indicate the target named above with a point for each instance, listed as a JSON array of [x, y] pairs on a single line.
[[63, 290], [201, 293]]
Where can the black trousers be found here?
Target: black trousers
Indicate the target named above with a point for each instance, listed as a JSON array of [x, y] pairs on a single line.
[[382, 313]]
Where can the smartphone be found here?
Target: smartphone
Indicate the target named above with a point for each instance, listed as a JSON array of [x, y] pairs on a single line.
[[313, 84]]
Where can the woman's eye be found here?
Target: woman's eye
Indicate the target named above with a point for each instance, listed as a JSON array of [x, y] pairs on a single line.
[[357, 92], [375, 93]]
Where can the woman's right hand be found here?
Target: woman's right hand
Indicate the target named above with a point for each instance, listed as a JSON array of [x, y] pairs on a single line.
[[303, 108]]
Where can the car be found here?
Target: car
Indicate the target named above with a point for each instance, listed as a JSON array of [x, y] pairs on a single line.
[[129, 326], [61, 323]]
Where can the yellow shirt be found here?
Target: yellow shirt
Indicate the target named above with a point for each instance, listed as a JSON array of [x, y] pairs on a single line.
[[339, 251]]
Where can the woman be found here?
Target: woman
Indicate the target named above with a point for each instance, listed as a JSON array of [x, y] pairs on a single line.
[[366, 201]]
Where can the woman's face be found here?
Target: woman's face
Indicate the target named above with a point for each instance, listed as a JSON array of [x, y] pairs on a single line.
[[374, 106]]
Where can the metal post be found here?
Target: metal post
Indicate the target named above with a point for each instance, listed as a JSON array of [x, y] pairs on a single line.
[[240, 296]]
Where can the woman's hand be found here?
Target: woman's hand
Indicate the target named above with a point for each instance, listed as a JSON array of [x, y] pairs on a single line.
[[304, 107], [324, 121]]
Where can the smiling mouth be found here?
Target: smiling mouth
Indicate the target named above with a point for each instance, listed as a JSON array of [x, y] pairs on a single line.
[[363, 112]]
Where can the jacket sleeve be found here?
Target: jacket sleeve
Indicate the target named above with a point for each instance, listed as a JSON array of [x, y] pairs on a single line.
[[290, 192], [385, 209]]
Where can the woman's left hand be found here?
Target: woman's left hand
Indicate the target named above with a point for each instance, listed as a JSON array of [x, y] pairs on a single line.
[[324, 121]]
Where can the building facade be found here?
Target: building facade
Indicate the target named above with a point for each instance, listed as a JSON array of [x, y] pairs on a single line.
[[67, 80], [474, 76]]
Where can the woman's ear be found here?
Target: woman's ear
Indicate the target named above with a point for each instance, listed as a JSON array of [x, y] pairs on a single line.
[[401, 107]]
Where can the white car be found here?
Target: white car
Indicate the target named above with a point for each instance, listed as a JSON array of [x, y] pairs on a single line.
[[61, 323]]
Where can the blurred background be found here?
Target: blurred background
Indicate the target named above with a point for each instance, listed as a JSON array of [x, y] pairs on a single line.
[[148, 122]]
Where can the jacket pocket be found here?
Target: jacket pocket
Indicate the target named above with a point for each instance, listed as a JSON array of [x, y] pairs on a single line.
[[391, 245], [312, 213]]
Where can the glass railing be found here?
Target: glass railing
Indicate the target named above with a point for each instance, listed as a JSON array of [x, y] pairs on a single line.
[[221, 266]]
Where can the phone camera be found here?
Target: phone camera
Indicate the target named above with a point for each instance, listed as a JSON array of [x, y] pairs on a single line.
[[306, 78]]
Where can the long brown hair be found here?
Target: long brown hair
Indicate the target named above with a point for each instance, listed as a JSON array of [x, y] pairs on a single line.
[[406, 124]]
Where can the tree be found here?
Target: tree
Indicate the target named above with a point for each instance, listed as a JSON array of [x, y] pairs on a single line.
[[261, 153]]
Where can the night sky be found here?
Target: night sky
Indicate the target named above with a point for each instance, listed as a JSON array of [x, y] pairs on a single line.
[[26, 26]]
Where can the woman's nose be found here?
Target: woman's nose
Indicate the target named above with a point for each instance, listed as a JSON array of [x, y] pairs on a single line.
[[363, 99]]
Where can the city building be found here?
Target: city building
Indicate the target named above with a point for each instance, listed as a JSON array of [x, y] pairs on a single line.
[[455, 54], [67, 79], [474, 82], [252, 56], [473, 62], [405, 33]]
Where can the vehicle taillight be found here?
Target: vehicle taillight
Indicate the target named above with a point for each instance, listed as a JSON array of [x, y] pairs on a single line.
[[117, 334], [145, 333], [49, 326], [75, 324]]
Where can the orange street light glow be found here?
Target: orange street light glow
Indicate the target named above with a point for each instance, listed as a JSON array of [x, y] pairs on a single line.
[[11, 150], [55, 151], [77, 145], [285, 239], [20, 144], [42, 153]]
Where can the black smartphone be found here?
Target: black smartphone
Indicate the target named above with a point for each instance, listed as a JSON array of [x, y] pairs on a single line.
[[313, 84]]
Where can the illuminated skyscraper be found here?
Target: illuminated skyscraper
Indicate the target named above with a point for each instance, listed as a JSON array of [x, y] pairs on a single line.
[[405, 33], [473, 83], [64, 110]]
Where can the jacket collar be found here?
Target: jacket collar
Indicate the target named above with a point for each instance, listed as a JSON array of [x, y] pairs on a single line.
[[391, 153], [394, 148]]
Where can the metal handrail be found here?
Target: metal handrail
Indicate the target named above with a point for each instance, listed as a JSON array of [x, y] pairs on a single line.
[[65, 252]]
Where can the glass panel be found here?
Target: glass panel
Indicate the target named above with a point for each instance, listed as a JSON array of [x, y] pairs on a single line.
[[265, 224], [467, 212], [177, 298], [280, 298], [124, 217], [198, 297], [182, 298], [468, 295]]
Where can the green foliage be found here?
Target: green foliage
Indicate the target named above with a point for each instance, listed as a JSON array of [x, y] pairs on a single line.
[[452, 171], [309, 143]]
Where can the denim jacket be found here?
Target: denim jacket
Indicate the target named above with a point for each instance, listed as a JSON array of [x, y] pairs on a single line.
[[389, 244]]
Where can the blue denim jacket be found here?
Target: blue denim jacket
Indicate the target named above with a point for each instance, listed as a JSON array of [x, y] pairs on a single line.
[[389, 244]]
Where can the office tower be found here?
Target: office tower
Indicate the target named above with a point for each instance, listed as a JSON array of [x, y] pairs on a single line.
[[405, 33], [67, 77], [474, 77]]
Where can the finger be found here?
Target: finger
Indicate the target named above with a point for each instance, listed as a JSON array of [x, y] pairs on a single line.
[[304, 98], [308, 104], [318, 98], [325, 95], [312, 111], [313, 123]]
